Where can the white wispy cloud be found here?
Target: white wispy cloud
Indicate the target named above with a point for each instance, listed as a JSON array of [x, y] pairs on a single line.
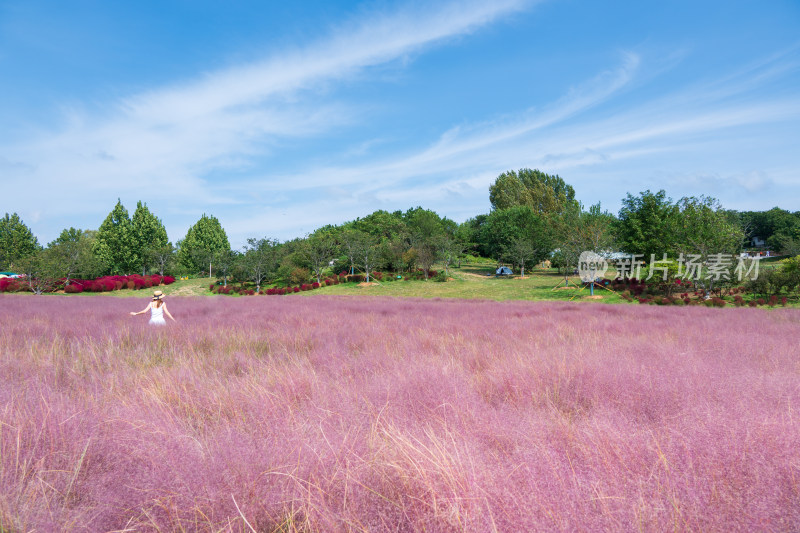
[[457, 169], [540, 136], [169, 139]]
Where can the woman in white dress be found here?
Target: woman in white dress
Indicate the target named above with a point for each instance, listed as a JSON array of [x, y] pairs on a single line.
[[158, 308]]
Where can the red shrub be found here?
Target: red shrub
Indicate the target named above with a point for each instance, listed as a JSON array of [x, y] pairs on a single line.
[[73, 288], [315, 285]]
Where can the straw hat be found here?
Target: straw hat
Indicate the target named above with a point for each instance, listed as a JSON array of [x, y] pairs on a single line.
[[157, 295]]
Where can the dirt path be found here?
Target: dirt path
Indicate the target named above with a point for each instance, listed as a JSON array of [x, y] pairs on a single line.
[[470, 275]]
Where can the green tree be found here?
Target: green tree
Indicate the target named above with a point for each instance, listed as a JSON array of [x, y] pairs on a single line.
[[545, 194], [704, 230], [202, 241], [350, 240], [319, 249], [225, 261], [450, 248], [16, 241], [116, 244], [162, 257], [260, 260], [362, 249], [381, 224], [426, 230], [647, 224], [777, 227], [149, 234], [42, 270], [503, 231], [522, 250], [578, 231], [72, 252], [464, 238]]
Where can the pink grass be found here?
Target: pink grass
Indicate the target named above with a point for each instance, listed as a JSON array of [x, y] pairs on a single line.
[[345, 414]]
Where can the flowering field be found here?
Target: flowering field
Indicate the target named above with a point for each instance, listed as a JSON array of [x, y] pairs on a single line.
[[365, 414]]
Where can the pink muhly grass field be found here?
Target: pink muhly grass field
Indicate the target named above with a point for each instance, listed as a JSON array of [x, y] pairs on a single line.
[[349, 414]]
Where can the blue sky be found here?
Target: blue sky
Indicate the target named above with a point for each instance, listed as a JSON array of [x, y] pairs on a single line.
[[278, 118]]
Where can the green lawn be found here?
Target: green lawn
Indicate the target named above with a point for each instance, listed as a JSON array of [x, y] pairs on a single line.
[[473, 282], [470, 281]]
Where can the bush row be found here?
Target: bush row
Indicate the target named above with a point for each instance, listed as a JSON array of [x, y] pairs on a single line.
[[101, 284], [343, 277], [244, 291], [715, 301]]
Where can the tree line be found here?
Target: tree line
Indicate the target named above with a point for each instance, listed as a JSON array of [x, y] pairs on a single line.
[[534, 217]]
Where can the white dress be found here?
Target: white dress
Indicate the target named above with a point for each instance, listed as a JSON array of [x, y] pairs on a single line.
[[157, 316]]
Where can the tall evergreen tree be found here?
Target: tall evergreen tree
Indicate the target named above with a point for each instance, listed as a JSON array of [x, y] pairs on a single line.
[[16, 241], [149, 233], [202, 241], [116, 244]]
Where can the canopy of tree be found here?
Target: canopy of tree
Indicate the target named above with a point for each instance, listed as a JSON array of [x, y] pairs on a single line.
[[16, 241], [203, 240], [149, 236], [545, 194], [116, 243], [653, 225], [778, 228]]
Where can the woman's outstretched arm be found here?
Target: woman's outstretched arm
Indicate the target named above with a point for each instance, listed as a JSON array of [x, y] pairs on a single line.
[[166, 312], [143, 310]]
